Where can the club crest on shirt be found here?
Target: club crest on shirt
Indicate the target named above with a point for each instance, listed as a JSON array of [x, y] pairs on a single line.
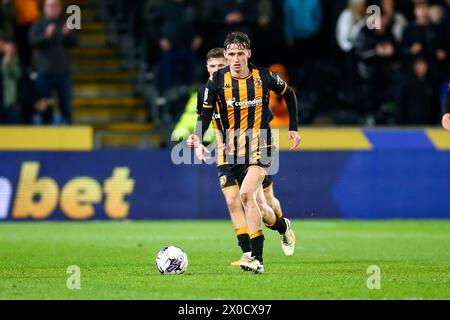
[[279, 80], [257, 82]]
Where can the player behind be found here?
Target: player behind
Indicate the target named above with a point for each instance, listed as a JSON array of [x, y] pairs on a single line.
[[238, 97], [215, 60]]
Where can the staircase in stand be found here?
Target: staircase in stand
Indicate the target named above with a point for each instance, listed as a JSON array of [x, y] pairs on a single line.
[[103, 91]]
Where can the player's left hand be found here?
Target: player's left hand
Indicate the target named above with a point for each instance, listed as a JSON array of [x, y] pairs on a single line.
[[446, 121], [193, 141], [200, 152], [293, 135]]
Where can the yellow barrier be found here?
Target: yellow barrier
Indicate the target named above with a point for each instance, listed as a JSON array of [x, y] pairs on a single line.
[[325, 139], [81, 138], [19, 138], [440, 138]]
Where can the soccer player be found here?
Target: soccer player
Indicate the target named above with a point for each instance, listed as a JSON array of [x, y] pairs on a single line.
[[215, 60], [237, 96]]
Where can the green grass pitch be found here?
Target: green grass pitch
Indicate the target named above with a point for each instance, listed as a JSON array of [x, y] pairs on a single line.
[[117, 260]]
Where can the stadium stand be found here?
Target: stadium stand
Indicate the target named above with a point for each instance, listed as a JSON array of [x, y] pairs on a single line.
[[104, 92], [117, 63]]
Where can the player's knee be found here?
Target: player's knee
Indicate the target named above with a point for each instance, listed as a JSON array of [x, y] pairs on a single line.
[[246, 197]]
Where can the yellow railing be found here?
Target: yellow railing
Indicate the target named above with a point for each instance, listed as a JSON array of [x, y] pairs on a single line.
[[22, 138]]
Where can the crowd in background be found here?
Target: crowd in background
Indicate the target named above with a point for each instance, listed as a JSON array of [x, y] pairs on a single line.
[[35, 62], [344, 70]]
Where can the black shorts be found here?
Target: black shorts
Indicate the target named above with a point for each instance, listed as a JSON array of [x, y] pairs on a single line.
[[267, 182], [233, 175], [262, 158]]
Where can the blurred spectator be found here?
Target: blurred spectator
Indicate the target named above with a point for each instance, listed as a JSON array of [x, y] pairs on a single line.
[[398, 20], [363, 74], [43, 110], [301, 25], [187, 121], [442, 33], [10, 69], [52, 40], [350, 22], [222, 17], [436, 14], [446, 101], [420, 39], [150, 26], [406, 8], [27, 13], [447, 13], [416, 105], [377, 54], [38, 109], [179, 41], [11, 73], [8, 15], [444, 92], [264, 14], [268, 44]]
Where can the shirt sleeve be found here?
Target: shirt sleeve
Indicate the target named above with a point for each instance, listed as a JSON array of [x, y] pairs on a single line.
[[205, 116], [200, 98], [276, 84]]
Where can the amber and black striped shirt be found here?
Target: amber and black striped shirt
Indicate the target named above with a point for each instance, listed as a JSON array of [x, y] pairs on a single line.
[[240, 112]]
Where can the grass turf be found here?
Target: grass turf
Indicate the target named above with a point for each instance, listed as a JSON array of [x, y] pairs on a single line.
[[117, 260]]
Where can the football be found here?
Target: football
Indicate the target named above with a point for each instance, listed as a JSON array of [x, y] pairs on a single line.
[[171, 260]]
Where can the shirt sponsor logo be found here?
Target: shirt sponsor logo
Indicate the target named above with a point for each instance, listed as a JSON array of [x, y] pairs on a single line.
[[252, 103]]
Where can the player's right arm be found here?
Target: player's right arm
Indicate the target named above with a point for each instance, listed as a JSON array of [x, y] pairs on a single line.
[[193, 140], [281, 88], [204, 119]]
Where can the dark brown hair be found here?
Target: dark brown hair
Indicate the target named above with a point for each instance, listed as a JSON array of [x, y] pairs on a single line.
[[215, 53], [238, 38]]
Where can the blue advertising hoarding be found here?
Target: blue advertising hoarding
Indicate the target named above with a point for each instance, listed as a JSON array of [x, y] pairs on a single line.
[[381, 183]]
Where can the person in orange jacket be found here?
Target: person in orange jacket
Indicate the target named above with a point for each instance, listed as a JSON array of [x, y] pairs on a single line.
[[276, 103]]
